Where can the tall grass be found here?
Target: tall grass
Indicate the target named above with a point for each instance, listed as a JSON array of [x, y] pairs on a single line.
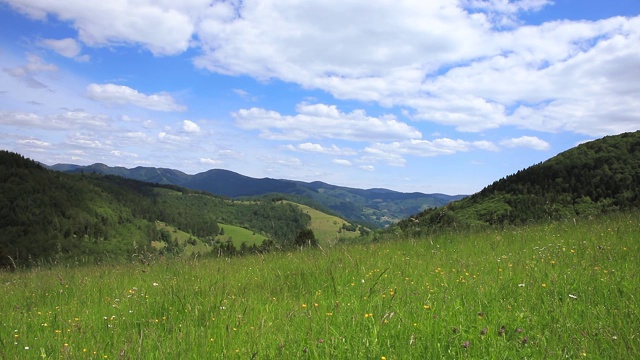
[[554, 291]]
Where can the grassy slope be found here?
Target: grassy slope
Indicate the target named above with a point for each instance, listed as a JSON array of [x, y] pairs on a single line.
[[239, 235], [327, 227], [560, 291]]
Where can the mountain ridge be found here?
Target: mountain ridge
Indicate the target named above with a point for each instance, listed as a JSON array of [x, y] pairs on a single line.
[[375, 207]]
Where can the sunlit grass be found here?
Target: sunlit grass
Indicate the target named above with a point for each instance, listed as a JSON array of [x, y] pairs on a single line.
[[550, 291]]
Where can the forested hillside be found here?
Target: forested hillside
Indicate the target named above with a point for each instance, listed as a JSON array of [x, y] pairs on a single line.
[[593, 178], [51, 216], [371, 207]]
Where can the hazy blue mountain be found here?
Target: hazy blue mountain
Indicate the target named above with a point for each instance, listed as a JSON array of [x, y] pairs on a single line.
[[378, 207]]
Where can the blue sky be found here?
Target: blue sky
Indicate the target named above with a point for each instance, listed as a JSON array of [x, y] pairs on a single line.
[[440, 96]]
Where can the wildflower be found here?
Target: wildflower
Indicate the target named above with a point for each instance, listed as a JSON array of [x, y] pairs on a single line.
[[427, 307], [466, 344], [544, 285], [525, 340], [573, 296], [520, 285], [501, 331], [483, 331], [304, 306]]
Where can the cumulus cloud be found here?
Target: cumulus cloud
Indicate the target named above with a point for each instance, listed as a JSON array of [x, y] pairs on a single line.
[[190, 127], [323, 121], [67, 47], [124, 95], [342, 162], [168, 138], [469, 64], [530, 142], [164, 28], [210, 161]]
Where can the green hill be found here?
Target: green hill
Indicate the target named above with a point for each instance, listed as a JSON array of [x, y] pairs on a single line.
[[49, 216], [371, 207], [329, 229], [593, 178]]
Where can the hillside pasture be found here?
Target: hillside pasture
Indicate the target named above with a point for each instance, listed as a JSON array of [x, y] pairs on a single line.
[[239, 235], [327, 228]]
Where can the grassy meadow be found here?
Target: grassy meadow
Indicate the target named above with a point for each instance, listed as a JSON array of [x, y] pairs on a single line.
[[555, 291]]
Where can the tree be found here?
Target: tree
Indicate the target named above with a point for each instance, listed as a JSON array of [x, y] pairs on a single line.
[[306, 237]]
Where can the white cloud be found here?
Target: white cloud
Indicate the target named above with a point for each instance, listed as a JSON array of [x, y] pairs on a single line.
[[503, 13], [124, 95], [34, 145], [26, 73], [317, 148], [342, 162], [172, 138], [64, 121], [87, 140], [134, 138], [119, 153], [210, 161], [445, 61], [190, 127], [393, 153], [67, 47], [164, 28], [323, 121], [368, 167], [531, 142]]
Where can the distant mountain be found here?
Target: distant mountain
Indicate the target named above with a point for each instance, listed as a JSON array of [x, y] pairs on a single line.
[[593, 178], [374, 207]]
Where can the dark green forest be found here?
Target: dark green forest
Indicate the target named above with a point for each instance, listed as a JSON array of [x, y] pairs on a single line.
[[49, 216], [593, 178]]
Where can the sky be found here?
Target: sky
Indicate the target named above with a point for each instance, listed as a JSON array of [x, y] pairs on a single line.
[[439, 96]]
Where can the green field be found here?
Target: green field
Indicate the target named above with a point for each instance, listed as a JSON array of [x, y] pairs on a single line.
[[239, 235], [235, 234], [555, 291], [327, 228]]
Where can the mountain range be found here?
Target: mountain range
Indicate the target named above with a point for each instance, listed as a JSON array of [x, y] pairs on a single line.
[[371, 207]]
